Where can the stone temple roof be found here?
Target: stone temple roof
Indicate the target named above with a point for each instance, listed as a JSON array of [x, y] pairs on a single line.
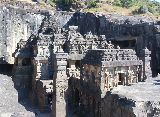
[[111, 57]]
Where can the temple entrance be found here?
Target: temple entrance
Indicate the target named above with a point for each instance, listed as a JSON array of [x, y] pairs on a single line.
[[77, 64], [121, 78]]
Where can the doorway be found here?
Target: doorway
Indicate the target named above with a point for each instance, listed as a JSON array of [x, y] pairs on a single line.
[[121, 78]]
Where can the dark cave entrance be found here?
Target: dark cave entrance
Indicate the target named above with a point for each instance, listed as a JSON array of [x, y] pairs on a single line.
[[6, 69], [78, 64], [49, 98], [121, 78]]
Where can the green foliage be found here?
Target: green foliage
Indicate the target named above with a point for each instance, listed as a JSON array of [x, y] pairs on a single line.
[[91, 3], [125, 3], [52, 2], [128, 3], [158, 10], [69, 2], [12, 2], [117, 3], [151, 9], [42, 3], [143, 9]]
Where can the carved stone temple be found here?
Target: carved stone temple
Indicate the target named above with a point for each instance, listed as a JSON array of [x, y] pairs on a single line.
[[77, 64], [75, 73]]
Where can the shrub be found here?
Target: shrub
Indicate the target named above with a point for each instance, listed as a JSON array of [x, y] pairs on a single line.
[[128, 3], [52, 2], [91, 3], [117, 3], [69, 2], [151, 10], [143, 9], [12, 2]]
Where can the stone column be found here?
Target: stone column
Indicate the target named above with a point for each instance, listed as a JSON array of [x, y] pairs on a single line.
[[145, 57], [60, 86]]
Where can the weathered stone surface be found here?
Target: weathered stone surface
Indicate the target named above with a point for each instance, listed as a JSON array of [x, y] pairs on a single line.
[[141, 98], [9, 105]]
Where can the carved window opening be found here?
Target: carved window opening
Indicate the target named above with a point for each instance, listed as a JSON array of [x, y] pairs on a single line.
[[26, 62]]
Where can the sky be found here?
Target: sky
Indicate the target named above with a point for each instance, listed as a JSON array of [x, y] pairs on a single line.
[[157, 0]]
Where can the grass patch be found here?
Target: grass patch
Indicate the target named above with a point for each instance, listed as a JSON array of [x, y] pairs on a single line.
[[52, 3], [42, 3], [12, 2]]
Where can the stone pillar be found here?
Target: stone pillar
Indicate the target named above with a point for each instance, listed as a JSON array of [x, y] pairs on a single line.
[[145, 57], [60, 86]]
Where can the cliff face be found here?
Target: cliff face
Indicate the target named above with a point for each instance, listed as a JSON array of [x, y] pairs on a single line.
[[15, 24], [113, 25]]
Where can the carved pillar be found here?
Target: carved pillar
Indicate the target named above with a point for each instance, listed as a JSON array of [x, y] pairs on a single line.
[[145, 57], [60, 86]]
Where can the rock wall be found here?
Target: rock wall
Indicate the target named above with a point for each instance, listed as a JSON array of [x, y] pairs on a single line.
[[114, 105], [113, 25], [17, 24]]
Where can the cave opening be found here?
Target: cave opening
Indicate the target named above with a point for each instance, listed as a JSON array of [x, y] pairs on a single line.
[[121, 78]]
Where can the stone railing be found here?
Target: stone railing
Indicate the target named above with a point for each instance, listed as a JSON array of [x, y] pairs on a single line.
[[112, 54]]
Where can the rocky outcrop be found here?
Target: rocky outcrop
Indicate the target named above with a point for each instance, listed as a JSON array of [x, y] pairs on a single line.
[[9, 106], [113, 25], [137, 100]]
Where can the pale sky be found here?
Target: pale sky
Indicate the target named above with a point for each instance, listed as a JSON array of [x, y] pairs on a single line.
[[158, 0]]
